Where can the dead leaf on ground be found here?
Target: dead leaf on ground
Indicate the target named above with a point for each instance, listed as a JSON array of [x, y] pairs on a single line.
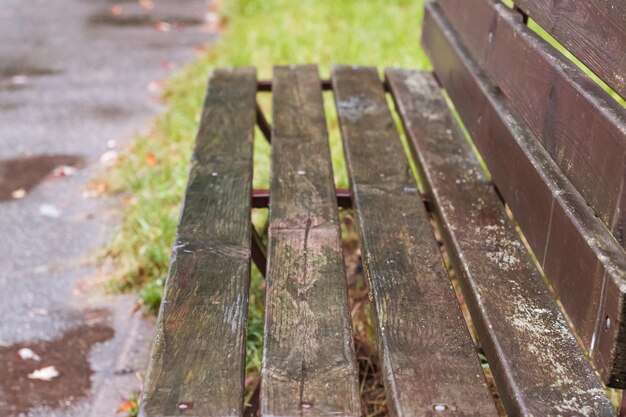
[[163, 27], [146, 4], [18, 194], [156, 86], [28, 354], [127, 406], [151, 159], [44, 374], [63, 171], [117, 10]]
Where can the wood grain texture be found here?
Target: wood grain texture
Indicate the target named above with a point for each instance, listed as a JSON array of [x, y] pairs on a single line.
[[581, 126], [593, 30], [585, 265], [309, 365], [538, 365], [429, 362], [198, 358]]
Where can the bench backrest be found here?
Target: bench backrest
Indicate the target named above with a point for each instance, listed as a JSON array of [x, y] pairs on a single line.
[[553, 140]]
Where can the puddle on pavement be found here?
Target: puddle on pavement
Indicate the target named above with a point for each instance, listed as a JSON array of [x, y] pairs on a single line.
[[105, 18], [24, 69], [15, 75], [70, 357], [26, 173]]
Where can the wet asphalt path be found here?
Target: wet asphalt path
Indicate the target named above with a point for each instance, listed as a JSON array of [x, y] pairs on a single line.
[[74, 81]]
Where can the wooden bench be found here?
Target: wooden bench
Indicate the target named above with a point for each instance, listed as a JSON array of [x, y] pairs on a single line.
[[554, 143]]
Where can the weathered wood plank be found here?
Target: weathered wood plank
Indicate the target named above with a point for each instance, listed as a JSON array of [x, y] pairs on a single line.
[[309, 365], [593, 30], [429, 362], [585, 265], [198, 358], [538, 365], [580, 125]]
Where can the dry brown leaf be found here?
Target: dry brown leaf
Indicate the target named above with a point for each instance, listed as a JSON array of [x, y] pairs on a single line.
[[151, 159]]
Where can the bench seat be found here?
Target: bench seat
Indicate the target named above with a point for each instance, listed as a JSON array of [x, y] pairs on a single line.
[[504, 193], [429, 360]]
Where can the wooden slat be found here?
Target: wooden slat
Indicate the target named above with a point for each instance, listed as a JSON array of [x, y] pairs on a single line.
[[198, 358], [585, 265], [536, 361], [593, 30], [580, 125], [309, 365], [429, 363]]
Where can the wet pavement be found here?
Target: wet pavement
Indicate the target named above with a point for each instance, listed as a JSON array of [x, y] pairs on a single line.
[[69, 355], [77, 80]]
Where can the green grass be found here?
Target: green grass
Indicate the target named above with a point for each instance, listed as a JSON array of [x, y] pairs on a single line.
[[261, 33]]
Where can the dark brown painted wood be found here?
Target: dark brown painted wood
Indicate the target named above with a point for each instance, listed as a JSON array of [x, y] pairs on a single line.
[[539, 367], [585, 265], [198, 358], [429, 362], [309, 365], [580, 125], [593, 30]]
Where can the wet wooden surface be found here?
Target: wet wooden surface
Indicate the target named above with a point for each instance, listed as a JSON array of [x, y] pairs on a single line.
[[593, 30], [198, 358], [429, 362], [581, 126], [309, 365], [585, 265], [538, 365]]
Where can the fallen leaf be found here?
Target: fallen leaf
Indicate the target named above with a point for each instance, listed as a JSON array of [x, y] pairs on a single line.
[[163, 27], [19, 80], [124, 407], [109, 157], [200, 49], [146, 4], [156, 86], [26, 354], [215, 5], [129, 405], [212, 17], [95, 188], [45, 374], [37, 312], [63, 171], [151, 159], [117, 10], [214, 27], [168, 65], [49, 210], [19, 193]]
